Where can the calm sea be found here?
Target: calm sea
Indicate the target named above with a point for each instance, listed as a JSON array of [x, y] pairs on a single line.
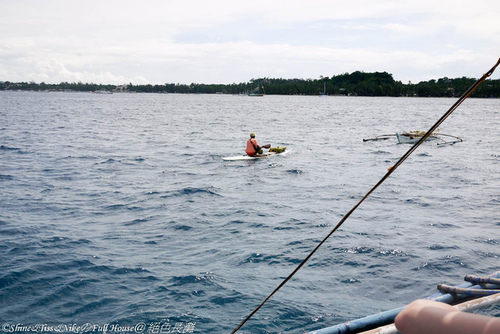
[[118, 215]]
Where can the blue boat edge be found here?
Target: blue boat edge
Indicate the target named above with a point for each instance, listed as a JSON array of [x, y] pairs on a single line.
[[385, 318]]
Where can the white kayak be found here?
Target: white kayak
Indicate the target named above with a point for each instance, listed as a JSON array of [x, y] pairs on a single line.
[[247, 157], [255, 157]]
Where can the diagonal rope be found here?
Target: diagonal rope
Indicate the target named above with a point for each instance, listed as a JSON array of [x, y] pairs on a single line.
[[391, 170]]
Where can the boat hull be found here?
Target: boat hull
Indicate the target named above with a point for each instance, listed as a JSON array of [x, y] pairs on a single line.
[[272, 151], [369, 323], [408, 138], [247, 157]]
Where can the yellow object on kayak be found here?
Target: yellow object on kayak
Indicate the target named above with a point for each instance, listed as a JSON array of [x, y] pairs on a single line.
[[277, 149]]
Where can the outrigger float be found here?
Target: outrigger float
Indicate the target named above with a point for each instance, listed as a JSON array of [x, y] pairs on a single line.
[[478, 292], [412, 137]]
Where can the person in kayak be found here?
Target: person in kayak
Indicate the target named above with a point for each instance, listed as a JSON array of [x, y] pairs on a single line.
[[253, 147]]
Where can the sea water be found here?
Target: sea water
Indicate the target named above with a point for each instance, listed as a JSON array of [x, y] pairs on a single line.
[[118, 214]]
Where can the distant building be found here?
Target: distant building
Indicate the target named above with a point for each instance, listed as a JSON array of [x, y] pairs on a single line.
[[121, 88]]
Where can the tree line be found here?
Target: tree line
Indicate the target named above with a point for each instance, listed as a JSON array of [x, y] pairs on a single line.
[[350, 84]]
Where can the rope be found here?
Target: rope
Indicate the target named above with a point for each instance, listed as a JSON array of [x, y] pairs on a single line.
[[391, 170]]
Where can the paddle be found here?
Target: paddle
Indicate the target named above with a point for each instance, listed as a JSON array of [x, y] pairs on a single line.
[[266, 146]]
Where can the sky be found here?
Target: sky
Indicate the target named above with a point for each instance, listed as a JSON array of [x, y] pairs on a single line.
[[233, 41]]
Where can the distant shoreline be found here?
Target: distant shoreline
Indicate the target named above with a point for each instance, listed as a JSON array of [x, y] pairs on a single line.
[[244, 95], [353, 84]]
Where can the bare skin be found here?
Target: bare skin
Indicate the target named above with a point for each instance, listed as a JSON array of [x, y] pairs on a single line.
[[430, 317]]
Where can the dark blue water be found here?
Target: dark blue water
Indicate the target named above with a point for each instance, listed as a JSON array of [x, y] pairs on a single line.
[[117, 211]]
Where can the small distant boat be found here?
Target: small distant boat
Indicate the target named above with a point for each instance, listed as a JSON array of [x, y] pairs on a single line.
[[412, 137], [324, 90], [103, 92], [258, 91]]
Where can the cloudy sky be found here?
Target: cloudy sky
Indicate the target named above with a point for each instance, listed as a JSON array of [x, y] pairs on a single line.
[[219, 41]]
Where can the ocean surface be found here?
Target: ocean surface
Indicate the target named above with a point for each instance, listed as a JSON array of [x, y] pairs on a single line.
[[118, 214]]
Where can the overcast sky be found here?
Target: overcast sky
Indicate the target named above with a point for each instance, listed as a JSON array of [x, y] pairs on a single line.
[[219, 41]]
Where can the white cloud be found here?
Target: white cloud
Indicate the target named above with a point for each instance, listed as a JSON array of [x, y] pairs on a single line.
[[55, 72]]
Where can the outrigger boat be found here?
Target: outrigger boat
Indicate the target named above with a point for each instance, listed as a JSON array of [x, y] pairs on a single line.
[[478, 292], [412, 137]]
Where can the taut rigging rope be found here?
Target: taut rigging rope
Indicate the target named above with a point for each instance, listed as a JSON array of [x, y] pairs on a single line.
[[390, 171]]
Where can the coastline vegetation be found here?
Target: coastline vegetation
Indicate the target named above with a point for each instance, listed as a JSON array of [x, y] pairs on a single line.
[[348, 84]]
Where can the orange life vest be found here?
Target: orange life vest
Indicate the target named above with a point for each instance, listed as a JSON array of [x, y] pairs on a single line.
[[252, 146]]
